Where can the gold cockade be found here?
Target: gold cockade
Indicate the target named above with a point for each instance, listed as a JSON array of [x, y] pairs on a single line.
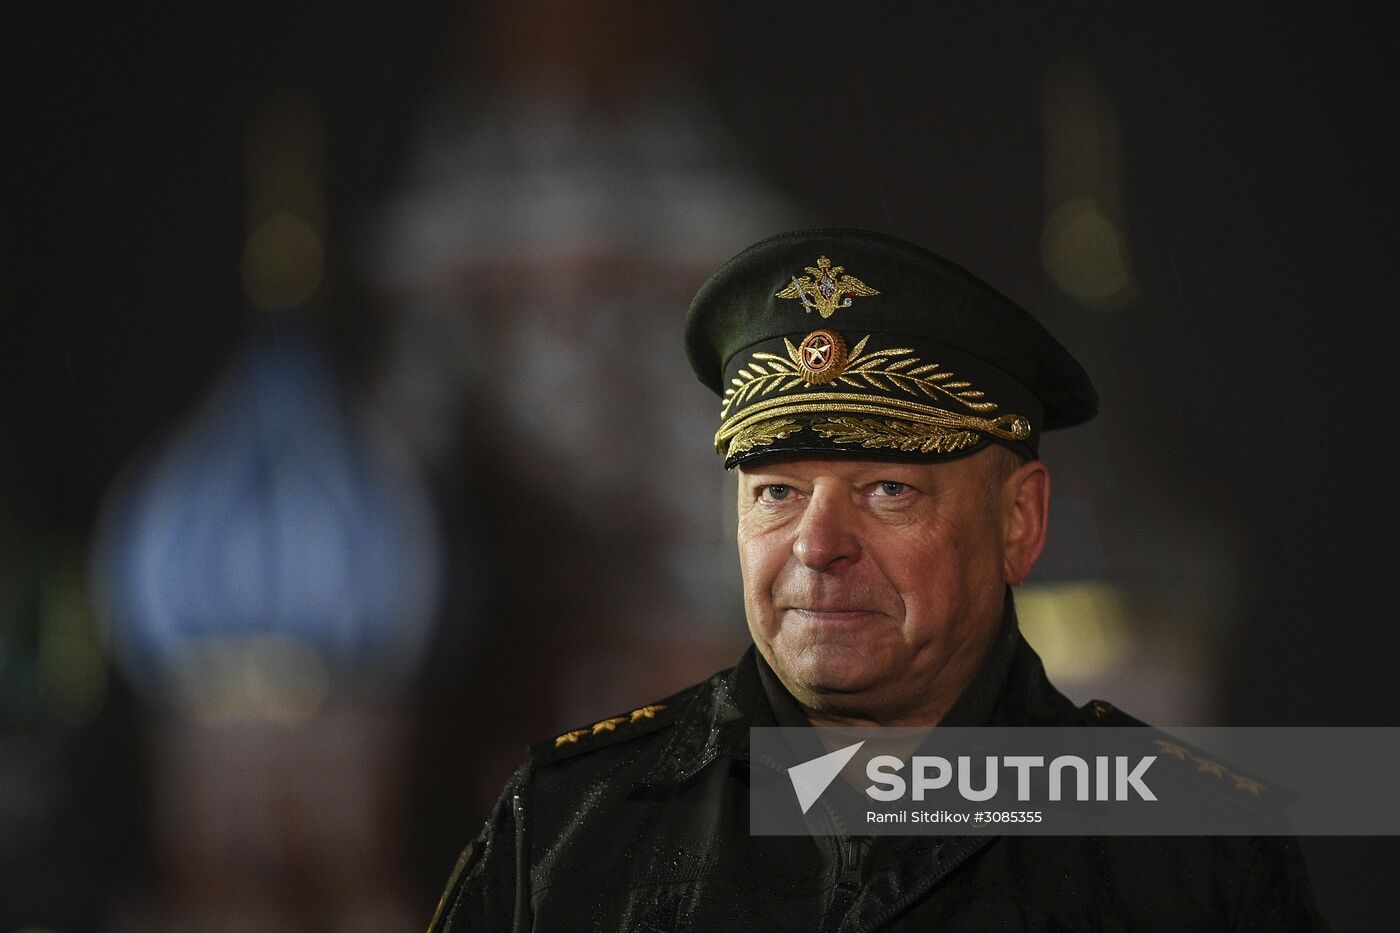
[[826, 288]]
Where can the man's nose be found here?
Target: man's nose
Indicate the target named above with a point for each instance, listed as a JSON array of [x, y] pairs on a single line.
[[826, 534]]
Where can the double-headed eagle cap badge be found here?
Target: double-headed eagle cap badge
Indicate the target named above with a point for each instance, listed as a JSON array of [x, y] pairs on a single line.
[[826, 289]]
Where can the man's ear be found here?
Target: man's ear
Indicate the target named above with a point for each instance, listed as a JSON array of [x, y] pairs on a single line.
[[1025, 514]]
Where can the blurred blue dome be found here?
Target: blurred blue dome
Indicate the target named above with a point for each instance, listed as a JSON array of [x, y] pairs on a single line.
[[275, 516]]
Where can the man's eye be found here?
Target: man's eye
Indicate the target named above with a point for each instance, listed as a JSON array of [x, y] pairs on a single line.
[[892, 489], [776, 492]]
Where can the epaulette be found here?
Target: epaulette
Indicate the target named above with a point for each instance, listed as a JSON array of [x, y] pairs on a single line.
[[1193, 766], [1103, 713], [605, 732]]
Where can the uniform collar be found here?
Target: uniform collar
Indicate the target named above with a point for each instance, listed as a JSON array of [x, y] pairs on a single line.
[[1009, 689], [977, 704], [714, 724]]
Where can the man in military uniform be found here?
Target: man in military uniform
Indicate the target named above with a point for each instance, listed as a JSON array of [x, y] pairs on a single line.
[[885, 429]]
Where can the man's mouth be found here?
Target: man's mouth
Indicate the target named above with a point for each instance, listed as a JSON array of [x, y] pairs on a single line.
[[834, 613]]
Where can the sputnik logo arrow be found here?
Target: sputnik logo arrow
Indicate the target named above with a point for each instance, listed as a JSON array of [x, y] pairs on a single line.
[[810, 778]]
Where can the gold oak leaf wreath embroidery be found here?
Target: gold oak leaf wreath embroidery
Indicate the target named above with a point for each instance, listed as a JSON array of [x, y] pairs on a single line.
[[899, 435], [884, 370], [762, 432]]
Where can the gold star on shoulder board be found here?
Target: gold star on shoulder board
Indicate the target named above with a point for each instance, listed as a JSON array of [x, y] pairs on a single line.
[[1171, 748], [1246, 784], [1208, 766], [645, 712], [608, 725], [569, 738]]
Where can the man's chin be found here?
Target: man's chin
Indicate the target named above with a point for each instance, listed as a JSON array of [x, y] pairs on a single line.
[[834, 675]]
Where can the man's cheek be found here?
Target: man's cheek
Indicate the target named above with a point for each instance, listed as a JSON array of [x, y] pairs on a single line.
[[758, 561]]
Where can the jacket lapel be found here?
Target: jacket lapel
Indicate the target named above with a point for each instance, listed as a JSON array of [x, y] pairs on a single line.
[[903, 869]]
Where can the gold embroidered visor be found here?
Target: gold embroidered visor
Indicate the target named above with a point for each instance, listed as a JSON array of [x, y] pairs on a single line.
[[836, 391]]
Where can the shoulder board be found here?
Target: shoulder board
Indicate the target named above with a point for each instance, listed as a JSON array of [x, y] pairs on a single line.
[[606, 732], [1103, 713], [1193, 766]]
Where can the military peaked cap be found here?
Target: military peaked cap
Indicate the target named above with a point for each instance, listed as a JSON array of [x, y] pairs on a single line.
[[851, 342]]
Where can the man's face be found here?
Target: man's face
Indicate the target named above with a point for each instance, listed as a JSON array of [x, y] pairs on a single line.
[[872, 587]]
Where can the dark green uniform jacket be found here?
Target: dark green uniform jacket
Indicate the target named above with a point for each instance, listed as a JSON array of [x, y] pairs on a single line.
[[641, 823]]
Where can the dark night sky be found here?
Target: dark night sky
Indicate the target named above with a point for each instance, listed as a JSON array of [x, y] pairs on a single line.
[[1257, 153]]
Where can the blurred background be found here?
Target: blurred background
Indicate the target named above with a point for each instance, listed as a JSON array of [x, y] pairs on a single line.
[[349, 443]]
